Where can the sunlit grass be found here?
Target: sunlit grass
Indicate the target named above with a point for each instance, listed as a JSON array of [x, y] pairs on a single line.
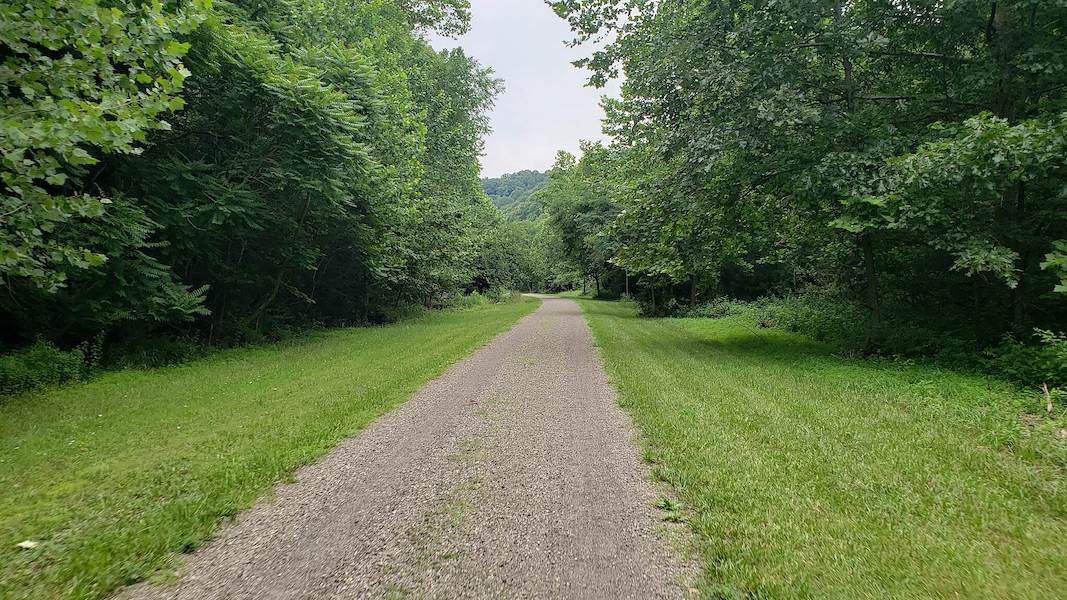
[[114, 476], [810, 476]]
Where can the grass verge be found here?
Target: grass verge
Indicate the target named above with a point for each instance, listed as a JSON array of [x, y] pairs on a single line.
[[115, 476], [810, 476]]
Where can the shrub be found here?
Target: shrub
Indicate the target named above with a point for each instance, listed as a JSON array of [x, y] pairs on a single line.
[[1031, 364], [500, 295], [719, 308], [827, 317], [471, 300], [156, 351], [662, 308], [490, 296], [39, 365], [819, 315]]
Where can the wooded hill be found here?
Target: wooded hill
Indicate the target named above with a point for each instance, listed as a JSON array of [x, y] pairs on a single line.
[[513, 193]]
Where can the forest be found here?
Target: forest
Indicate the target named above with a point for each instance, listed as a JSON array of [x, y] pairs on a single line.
[[267, 331], [513, 193], [887, 176], [182, 174]]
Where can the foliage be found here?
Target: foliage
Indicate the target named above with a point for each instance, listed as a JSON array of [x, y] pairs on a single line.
[[579, 205], [959, 179], [82, 79], [38, 365], [717, 309], [905, 158], [513, 194], [830, 317], [133, 287], [1056, 261], [1030, 364], [220, 172], [515, 257], [153, 351], [820, 315]]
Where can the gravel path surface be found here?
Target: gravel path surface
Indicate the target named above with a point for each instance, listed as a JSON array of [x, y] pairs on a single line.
[[514, 475]]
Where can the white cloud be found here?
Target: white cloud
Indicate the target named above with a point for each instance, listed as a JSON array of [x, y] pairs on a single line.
[[545, 106]]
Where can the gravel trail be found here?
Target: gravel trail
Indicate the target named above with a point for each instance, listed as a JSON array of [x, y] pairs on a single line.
[[513, 475]]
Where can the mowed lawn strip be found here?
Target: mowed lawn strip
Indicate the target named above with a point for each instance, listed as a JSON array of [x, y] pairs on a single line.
[[810, 476], [115, 476]]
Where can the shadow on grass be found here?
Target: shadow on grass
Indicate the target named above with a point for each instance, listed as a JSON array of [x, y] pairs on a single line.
[[737, 340]]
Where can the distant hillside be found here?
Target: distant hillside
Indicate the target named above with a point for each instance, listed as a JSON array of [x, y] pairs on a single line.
[[511, 193]]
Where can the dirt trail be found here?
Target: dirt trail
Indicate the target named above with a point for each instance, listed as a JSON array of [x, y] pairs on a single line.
[[514, 475]]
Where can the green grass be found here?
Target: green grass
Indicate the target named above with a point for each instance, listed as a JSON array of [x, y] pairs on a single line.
[[810, 476], [115, 476]]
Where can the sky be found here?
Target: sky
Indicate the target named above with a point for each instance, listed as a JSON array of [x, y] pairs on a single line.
[[545, 106]]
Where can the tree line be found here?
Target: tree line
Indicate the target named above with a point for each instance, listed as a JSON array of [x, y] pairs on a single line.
[[902, 162], [225, 170], [513, 193]]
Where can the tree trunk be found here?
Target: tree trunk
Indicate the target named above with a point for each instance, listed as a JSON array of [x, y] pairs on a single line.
[[1007, 93], [626, 284], [1006, 88], [846, 65], [596, 278], [870, 277], [268, 300], [1019, 317], [364, 308], [692, 290]]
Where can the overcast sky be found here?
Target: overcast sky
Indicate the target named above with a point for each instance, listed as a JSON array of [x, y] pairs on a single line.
[[545, 106]]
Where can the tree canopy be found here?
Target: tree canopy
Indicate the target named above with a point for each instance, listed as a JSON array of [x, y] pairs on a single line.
[[226, 169], [231, 168], [906, 155]]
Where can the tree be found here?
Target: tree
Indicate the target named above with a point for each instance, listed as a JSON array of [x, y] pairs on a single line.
[[513, 194], [579, 207], [324, 165], [904, 153], [82, 80]]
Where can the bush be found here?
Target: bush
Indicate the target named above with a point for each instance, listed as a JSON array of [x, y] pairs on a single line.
[[1031, 364], [501, 295], [156, 351], [471, 300], [719, 308], [490, 296], [827, 317], [668, 308], [39, 365], [819, 315]]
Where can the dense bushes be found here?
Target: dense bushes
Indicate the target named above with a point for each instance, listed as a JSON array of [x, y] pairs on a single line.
[[1031, 363], [42, 363], [38, 365]]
